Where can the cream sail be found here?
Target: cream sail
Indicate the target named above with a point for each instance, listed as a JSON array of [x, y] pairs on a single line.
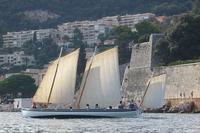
[[62, 85], [154, 95], [101, 81]]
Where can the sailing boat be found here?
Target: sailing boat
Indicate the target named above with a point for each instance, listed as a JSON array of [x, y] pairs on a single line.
[[100, 85]]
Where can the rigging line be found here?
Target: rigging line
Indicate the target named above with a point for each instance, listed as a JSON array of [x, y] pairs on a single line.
[[55, 75]]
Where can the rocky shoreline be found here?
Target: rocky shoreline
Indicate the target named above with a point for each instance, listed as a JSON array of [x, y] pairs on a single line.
[[182, 107]]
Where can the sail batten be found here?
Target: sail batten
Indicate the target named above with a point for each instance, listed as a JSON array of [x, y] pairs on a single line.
[[64, 84], [102, 85]]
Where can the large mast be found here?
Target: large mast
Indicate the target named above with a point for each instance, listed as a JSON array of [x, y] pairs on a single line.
[[54, 75], [81, 91]]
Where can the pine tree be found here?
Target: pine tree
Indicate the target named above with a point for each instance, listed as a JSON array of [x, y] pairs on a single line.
[[77, 41]]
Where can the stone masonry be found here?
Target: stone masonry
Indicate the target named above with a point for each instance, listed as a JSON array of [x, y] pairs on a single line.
[[182, 81]]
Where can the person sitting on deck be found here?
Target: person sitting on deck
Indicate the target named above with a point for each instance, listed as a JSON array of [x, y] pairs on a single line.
[[45, 106], [124, 100], [110, 107], [132, 105], [34, 106], [87, 106], [121, 106], [97, 106]]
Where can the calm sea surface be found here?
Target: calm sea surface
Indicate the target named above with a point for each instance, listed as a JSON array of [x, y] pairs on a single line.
[[146, 123]]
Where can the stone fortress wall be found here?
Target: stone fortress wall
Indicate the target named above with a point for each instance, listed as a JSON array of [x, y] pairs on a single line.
[[182, 81], [141, 55]]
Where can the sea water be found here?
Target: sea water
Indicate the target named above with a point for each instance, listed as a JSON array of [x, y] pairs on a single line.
[[146, 123]]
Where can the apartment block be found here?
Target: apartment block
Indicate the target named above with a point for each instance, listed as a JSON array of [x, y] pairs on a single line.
[[16, 59], [131, 20], [86, 27], [17, 39], [45, 33], [91, 29]]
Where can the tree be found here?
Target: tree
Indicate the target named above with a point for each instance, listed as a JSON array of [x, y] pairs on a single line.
[[18, 83], [196, 6], [102, 37], [77, 38], [144, 30], [35, 37], [143, 38], [123, 36], [44, 51], [162, 51], [2, 31], [182, 40], [184, 37], [13, 12], [66, 38], [1, 41], [77, 41], [170, 8]]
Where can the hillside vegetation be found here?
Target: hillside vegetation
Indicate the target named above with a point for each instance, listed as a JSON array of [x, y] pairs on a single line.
[[181, 42], [13, 13]]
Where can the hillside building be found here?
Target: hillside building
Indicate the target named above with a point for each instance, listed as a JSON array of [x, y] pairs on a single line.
[[17, 39], [132, 20], [86, 27], [17, 59], [91, 29]]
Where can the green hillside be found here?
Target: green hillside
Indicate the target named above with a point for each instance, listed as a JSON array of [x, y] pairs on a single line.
[[13, 13]]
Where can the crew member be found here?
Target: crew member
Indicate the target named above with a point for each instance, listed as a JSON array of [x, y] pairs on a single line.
[[34, 106], [87, 106], [132, 105], [121, 106], [96, 106]]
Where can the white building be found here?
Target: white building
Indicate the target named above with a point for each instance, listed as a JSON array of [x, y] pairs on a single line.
[[109, 42], [36, 74], [87, 28], [131, 20], [22, 103], [17, 59], [106, 23], [45, 33], [91, 29], [17, 39]]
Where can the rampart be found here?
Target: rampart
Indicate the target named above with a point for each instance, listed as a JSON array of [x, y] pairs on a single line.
[[182, 81]]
